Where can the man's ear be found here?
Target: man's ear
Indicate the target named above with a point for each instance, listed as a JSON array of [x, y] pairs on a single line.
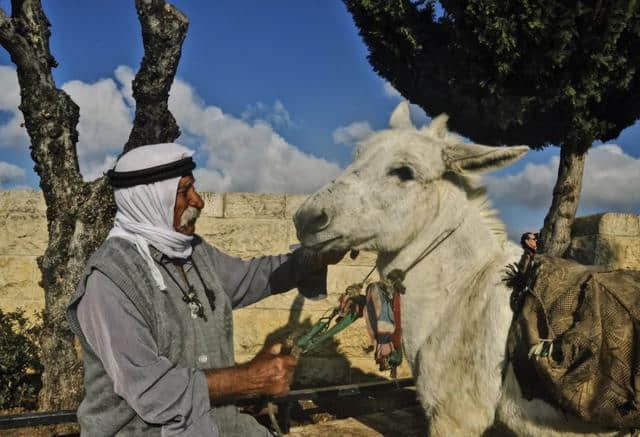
[[476, 158]]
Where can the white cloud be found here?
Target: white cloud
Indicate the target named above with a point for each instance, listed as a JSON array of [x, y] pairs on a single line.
[[10, 174], [390, 91], [12, 133], [238, 155], [95, 169], [244, 156], [124, 75], [352, 133], [418, 116], [276, 115], [9, 90], [104, 125], [105, 122], [611, 180]]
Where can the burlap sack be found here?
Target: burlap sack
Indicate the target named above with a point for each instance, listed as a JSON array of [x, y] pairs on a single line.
[[575, 339]]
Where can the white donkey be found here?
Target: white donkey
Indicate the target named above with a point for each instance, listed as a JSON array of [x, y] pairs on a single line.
[[408, 190]]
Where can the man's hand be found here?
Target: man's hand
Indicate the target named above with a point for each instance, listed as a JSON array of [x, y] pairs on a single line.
[[315, 261], [270, 373], [331, 257]]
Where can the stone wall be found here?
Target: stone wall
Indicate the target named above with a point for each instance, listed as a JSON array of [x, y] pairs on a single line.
[[240, 224], [247, 225], [609, 239]]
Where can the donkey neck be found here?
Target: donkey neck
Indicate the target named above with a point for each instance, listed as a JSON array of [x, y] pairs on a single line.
[[439, 287], [465, 243]]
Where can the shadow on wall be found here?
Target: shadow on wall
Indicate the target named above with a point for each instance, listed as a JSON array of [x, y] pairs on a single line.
[[327, 365]]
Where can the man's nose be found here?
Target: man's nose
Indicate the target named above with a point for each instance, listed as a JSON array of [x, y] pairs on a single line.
[[196, 201]]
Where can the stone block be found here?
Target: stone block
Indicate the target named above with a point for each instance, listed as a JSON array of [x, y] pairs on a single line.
[[30, 307], [23, 234], [254, 327], [618, 252], [618, 224], [582, 249], [245, 237], [293, 300], [608, 223], [293, 202], [251, 205], [608, 239], [213, 204], [585, 226], [18, 278], [314, 371], [292, 237], [29, 202], [340, 277]]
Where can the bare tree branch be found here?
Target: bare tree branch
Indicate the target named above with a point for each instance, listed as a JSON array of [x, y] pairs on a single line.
[[163, 31]]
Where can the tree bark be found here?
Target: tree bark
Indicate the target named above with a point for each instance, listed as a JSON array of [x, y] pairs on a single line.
[[163, 31], [556, 233], [79, 214]]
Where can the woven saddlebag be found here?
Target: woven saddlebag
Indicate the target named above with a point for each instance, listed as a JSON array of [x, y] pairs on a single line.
[[575, 339]]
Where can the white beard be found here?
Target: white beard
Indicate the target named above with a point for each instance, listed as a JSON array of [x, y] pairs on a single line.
[[190, 215]]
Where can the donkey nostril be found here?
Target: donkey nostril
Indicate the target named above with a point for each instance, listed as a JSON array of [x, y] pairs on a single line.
[[320, 222], [311, 220]]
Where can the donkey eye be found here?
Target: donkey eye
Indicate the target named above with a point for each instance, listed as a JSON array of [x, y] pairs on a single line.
[[403, 173]]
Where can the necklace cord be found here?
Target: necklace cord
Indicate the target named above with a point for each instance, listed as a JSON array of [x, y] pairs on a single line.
[[189, 296]]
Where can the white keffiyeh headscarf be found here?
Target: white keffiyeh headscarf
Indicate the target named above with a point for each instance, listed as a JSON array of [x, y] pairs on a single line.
[[145, 211]]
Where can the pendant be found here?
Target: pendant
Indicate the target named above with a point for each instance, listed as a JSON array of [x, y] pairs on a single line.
[[190, 297], [194, 310]]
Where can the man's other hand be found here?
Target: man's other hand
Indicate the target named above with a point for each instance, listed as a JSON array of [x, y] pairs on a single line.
[[268, 373], [271, 371]]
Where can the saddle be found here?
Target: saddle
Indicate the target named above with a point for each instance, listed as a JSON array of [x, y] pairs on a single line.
[[575, 339]]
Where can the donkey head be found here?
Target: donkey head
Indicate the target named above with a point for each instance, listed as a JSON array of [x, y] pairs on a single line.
[[401, 180]]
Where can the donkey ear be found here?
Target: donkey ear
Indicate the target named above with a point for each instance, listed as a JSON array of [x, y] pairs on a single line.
[[401, 118], [475, 158], [438, 126]]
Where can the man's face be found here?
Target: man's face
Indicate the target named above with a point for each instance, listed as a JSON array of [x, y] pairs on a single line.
[[532, 241], [188, 206]]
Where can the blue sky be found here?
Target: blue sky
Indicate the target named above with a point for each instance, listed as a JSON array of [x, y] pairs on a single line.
[[272, 95]]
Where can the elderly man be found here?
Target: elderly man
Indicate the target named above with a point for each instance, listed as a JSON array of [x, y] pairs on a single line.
[[153, 312]]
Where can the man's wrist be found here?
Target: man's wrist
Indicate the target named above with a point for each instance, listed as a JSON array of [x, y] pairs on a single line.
[[225, 384]]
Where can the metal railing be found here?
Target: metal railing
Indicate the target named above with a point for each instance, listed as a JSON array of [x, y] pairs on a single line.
[[314, 394]]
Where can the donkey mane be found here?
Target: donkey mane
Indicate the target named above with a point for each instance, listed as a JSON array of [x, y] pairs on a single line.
[[471, 184]]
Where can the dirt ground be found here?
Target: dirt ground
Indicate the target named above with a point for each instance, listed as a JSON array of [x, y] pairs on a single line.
[[406, 422]]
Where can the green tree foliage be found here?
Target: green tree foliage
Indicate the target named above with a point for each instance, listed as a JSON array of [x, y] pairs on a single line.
[[20, 367], [510, 72]]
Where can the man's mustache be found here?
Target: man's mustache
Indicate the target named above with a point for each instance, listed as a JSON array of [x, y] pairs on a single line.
[[189, 216]]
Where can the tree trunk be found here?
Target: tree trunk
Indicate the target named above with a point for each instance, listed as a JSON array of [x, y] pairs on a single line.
[[79, 214], [163, 31], [556, 233]]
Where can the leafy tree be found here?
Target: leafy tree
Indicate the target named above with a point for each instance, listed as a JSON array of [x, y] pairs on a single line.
[[530, 72], [20, 367], [79, 213]]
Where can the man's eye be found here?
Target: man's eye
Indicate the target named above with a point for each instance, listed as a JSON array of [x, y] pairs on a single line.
[[403, 173]]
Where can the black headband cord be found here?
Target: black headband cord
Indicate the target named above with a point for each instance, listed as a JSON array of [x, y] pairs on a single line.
[[125, 179]]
